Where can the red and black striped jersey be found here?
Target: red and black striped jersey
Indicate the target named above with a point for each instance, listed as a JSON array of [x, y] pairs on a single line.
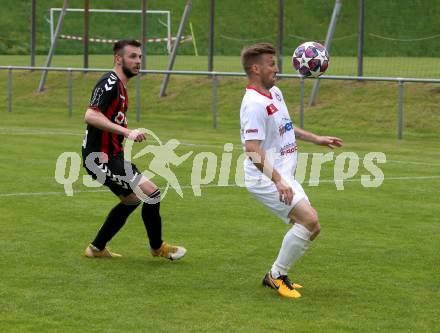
[[110, 98]]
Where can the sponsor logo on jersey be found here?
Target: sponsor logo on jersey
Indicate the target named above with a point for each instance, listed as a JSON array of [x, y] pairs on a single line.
[[252, 130], [271, 109], [289, 149], [283, 129], [120, 118], [278, 97]]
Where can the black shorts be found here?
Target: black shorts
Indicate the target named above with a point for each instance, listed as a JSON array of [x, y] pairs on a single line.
[[113, 174]]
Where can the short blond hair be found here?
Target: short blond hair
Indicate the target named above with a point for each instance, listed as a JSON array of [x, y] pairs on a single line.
[[252, 53]]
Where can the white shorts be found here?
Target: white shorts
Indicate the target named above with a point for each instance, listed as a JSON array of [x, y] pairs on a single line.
[[266, 192]]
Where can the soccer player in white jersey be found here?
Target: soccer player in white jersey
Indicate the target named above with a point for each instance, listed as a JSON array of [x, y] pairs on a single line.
[[269, 139]]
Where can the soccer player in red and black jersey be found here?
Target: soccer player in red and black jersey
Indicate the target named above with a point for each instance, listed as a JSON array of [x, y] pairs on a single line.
[[103, 157]]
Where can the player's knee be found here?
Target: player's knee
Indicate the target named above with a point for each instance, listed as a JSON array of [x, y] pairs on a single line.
[[315, 219], [155, 194], [152, 201], [311, 220], [148, 187], [130, 199], [317, 229], [152, 192], [315, 232]]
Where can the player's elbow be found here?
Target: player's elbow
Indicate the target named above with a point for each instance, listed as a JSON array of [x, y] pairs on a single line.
[[252, 151], [88, 117], [250, 147]]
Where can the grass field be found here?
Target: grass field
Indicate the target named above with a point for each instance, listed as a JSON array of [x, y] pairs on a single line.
[[374, 268]]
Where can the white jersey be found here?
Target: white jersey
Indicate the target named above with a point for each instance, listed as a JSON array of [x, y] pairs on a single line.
[[266, 118]]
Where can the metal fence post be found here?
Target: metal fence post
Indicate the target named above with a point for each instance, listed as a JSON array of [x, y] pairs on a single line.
[[52, 46], [10, 89], [211, 36], [86, 34], [214, 100], [33, 30], [69, 84], [138, 97], [176, 44], [400, 111], [280, 37], [301, 102], [361, 33], [144, 34], [328, 40]]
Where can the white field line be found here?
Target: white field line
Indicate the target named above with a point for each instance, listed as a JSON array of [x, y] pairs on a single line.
[[96, 191], [413, 162], [32, 131], [17, 194]]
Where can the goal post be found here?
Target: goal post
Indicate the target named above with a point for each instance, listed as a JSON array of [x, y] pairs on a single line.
[[167, 13]]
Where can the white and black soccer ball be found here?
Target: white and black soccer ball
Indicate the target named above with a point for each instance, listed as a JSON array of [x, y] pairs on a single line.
[[310, 59]]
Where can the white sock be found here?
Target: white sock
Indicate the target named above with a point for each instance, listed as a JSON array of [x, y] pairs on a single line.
[[295, 243]]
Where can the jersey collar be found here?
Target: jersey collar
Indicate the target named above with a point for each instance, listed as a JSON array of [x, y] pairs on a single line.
[[260, 92], [116, 74]]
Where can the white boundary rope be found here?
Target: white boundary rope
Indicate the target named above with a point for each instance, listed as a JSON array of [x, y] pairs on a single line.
[[112, 41], [404, 39], [335, 38]]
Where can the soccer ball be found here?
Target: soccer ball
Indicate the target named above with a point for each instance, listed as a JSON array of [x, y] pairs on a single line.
[[310, 59]]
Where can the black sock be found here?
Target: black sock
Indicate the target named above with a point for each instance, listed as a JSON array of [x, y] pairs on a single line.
[[113, 223], [152, 220]]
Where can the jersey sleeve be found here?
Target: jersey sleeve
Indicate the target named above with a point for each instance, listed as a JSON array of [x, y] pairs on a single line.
[[278, 91], [103, 96], [254, 120]]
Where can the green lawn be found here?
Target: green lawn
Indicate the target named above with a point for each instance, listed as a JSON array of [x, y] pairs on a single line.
[[373, 268]]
